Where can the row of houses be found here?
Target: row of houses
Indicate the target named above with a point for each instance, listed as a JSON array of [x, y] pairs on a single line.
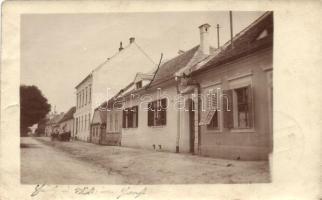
[[206, 101]]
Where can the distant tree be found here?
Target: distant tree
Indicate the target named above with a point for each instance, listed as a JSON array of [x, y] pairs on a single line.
[[33, 107]]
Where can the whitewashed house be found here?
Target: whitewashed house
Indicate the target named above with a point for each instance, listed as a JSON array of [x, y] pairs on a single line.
[[105, 81], [150, 117]]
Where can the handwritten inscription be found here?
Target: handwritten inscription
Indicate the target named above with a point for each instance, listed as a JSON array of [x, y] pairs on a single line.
[[125, 191], [84, 190], [128, 192], [42, 188]]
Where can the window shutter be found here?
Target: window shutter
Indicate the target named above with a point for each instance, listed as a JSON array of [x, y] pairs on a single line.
[[164, 111], [250, 97], [124, 120], [228, 109], [137, 116], [150, 115], [214, 100]]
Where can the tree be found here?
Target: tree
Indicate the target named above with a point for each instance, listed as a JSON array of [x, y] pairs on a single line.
[[33, 107]]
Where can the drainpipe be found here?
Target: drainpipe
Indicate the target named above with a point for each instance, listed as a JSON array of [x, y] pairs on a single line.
[[178, 117]]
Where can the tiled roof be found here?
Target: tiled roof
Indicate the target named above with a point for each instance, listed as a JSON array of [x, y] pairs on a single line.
[[244, 43], [170, 67], [69, 115]]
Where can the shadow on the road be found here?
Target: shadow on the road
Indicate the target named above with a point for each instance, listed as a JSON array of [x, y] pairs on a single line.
[[23, 145]]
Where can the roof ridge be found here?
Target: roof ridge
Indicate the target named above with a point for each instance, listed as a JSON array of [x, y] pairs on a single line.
[[110, 58], [138, 46], [240, 33]]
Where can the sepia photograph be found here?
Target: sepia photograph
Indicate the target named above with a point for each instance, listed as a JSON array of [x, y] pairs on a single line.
[[146, 98], [118, 100]]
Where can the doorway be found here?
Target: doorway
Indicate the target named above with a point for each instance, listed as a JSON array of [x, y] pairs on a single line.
[[191, 124]]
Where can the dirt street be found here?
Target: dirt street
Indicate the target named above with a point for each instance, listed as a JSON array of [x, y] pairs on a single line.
[[44, 161], [42, 164]]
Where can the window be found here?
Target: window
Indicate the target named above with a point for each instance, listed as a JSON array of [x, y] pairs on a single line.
[[138, 84], [85, 121], [242, 101], [90, 94], [212, 106], [210, 115], [82, 123], [77, 98], [85, 95], [239, 113], [111, 122], [214, 121], [130, 117], [116, 123], [157, 112], [89, 121]]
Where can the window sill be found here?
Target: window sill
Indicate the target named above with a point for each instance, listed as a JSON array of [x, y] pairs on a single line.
[[240, 130], [158, 126], [214, 130]]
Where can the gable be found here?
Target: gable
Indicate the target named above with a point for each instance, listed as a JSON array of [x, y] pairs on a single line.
[[96, 117], [124, 65]]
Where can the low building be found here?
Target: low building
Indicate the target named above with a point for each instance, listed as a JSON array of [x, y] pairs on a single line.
[[113, 124], [98, 125], [150, 118], [236, 86], [66, 124], [52, 125]]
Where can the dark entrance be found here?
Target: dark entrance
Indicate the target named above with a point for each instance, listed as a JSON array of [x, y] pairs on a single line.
[[192, 125]]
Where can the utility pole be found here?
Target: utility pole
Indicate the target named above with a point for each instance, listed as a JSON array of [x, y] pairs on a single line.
[[218, 41], [231, 28]]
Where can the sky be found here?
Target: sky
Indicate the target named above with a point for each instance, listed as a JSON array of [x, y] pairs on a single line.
[[60, 50]]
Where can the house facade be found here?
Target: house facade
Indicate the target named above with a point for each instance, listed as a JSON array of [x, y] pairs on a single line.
[[238, 84], [66, 124], [114, 116], [211, 102], [98, 125], [101, 84]]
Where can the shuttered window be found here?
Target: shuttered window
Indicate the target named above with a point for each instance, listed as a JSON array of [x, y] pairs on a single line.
[[130, 117], [210, 115], [157, 113], [212, 121]]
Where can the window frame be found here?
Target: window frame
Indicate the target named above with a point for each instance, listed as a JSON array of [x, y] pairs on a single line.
[[213, 87], [155, 110], [239, 82], [129, 113], [139, 84]]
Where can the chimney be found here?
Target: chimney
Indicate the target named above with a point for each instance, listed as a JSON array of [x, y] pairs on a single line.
[[121, 48], [204, 38], [132, 39]]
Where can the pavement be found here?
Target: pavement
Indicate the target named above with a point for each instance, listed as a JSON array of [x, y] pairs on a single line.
[[75, 162]]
